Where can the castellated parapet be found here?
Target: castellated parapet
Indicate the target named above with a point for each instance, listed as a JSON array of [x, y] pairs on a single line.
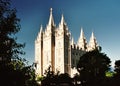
[[54, 47]]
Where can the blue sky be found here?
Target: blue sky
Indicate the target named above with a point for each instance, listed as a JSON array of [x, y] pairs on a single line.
[[100, 16]]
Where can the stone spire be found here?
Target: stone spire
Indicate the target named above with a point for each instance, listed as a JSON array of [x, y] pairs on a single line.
[[82, 34], [51, 20], [62, 24], [62, 20], [82, 43], [41, 31], [72, 41], [92, 43], [40, 34]]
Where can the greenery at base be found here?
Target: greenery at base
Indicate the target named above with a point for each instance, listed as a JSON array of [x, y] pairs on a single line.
[[55, 79], [110, 74]]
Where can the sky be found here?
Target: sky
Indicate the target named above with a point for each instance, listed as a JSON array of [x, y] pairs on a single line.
[[100, 16]]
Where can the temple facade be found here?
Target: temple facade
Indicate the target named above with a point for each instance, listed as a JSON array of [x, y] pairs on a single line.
[[55, 47]]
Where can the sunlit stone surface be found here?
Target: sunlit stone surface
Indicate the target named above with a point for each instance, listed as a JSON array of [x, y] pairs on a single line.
[[54, 47]]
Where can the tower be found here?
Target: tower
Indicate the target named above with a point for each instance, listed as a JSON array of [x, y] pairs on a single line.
[[49, 44], [62, 37], [39, 52]]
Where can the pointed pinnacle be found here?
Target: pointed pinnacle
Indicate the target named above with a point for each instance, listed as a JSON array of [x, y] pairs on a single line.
[[82, 33], [62, 19], [51, 20]]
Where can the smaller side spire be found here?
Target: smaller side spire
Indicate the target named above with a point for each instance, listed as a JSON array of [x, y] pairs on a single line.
[[72, 41], [82, 43], [62, 24], [82, 34], [92, 43], [41, 29], [62, 20], [41, 32], [92, 36]]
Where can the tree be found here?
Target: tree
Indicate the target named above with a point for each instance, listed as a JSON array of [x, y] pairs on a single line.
[[9, 26], [55, 79], [49, 78], [116, 78], [65, 79], [14, 70], [92, 67], [76, 79], [117, 67]]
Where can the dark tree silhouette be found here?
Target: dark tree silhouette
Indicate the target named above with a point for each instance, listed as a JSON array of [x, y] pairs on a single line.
[[13, 69], [65, 79], [50, 78], [76, 80], [92, 67], [9, 26], [116, 78], [55, 79], [117, 67]]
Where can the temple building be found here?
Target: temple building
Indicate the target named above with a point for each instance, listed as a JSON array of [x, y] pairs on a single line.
[[55, 47]]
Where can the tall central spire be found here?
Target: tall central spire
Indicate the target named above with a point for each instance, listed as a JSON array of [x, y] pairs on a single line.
[[51, 20]]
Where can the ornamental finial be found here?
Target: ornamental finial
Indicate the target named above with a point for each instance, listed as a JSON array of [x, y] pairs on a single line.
[[51, 10]]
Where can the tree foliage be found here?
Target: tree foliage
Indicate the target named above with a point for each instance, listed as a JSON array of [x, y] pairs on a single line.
[[55, 79], [116, 78], [14, 70], [92, 67], [9, 26], [117, 67], [17, 74]]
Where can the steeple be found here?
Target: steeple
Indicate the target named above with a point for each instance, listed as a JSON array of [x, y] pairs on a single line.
[[40, 34], [62, 20], [82, 43], [62, 24], [72, 41], [51, 25], [41, 31], [51, 20], [92, 43], [82, 34]]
